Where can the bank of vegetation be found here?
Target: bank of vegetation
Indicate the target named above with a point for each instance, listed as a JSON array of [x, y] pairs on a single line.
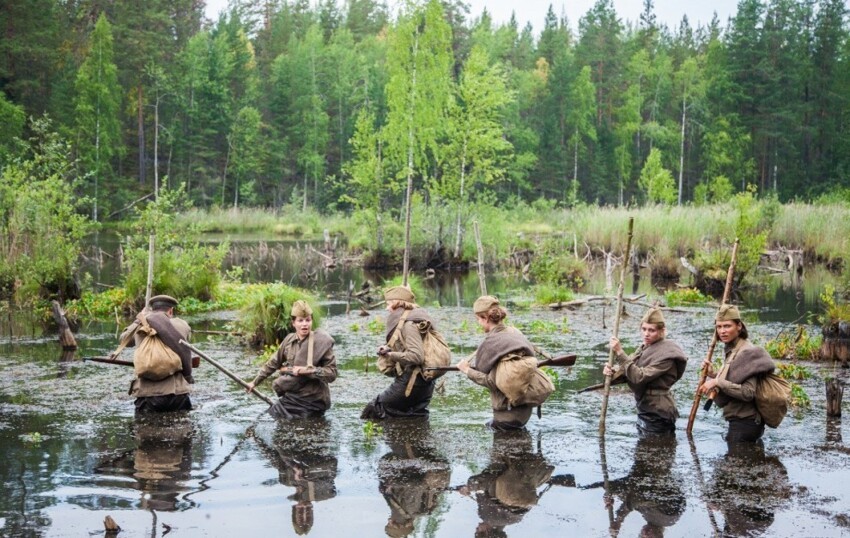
[[294, 119]]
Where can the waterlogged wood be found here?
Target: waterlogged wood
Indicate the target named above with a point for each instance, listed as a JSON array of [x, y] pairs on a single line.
[[834, 395], [110, 526], [631, 300], [66, 337]]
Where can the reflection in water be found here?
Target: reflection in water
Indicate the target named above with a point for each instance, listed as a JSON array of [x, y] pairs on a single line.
[[748, 487], [412, 475], [301, 452], [507, 488], [161, 463], [650, 488]]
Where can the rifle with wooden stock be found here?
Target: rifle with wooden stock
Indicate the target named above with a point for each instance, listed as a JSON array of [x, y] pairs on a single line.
[[196, 361], [562, 360], [727, 291]]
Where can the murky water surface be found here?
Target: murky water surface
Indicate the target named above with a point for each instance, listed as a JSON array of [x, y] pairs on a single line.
[[73, 453]]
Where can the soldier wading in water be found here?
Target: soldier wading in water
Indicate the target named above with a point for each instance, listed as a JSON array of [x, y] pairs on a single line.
[[307, 365]]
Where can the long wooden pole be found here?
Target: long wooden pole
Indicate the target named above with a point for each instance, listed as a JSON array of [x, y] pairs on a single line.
[[482, 281], [616, 325], [727, 291], [226, 372], [149, 286]]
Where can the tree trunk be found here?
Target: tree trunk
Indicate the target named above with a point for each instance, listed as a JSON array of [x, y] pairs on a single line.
[[682, 148], [141, 133]]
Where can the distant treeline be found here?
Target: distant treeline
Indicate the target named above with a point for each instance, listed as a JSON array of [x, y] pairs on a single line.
[[337, 107]]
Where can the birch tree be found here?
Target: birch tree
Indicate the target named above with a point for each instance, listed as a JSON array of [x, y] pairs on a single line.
[[419, 62]]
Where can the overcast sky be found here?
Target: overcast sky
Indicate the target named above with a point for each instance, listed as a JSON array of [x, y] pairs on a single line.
[[667, 12]]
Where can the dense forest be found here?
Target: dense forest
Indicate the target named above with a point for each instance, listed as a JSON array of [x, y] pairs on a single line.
[[338, 107]]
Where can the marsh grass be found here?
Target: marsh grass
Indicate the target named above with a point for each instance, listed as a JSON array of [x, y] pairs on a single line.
[[287, 221], [821, 231], [671, 231]]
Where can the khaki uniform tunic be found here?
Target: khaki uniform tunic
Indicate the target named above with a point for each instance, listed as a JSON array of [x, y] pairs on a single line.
[[173, 384]]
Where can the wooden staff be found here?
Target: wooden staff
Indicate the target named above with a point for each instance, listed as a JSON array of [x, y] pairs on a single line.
[[149, 285], [727, 291], [227, 372], [482, 282], [616, 326]]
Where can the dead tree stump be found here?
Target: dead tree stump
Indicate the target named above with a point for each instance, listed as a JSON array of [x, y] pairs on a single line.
[[834, 394], [66, 337], [836, 342]]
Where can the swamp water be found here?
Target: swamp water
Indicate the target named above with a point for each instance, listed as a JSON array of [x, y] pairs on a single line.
[[73, 453]]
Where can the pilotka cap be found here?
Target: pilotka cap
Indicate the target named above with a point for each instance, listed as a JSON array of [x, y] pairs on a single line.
[[483, 304], [300, 309], [399, 293], [653, 315]]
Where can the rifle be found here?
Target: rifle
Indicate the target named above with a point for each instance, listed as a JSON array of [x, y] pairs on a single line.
[[196, 361], [727, 291], [617, 381], [107, 360], [562, 360]]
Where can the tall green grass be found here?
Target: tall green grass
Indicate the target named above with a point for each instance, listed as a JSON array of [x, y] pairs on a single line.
[[667, 231]]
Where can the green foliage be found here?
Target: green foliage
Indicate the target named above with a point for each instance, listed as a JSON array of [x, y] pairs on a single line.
[[265, 318], [12, 121], [41, 230], [97, 105], [552, 373], [372, 429], [655, 181], [547, 294], [267, 352], [794, 346], [376, 326], [539, 326], [717, 190], [751, 229], [799, 398], [554, 265], [833, 310], [684, 296], [183, 268], [793, 371], [34, 438]]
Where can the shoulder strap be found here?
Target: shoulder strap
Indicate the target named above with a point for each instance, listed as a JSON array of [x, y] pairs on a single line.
[[724, 370], [310, 349], [397, 333]]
